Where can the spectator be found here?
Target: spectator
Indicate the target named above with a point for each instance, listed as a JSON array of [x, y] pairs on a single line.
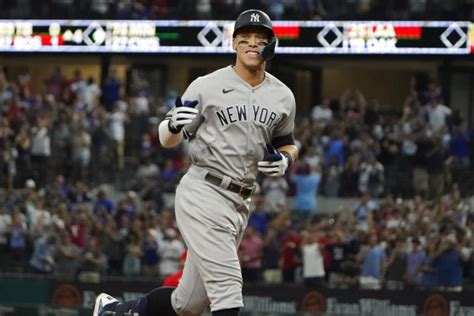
[[415, 259], [173, 280], [81, 153], [312, 258], [67, 259], [113, 245], [364, 212], [335, 148], [307, 182], [251, 255], [5, 223], [42, 259], [150, 257], [271, 255], [103, 203], [437, 161], [275, 9], [371, 178], [461, 150], [55, 84], [76, 228], [60, 147], [93, 263], [276, 189], [91, 93], [99, 9], [133, 252], [332, 179], [322, 114], [437, 113], [260, 217], [169, 176], [116, 121], [18, 240], [147, 174], [338, 255], [41, 151], [170, 251], [23, 145], [350, 177], [449, 263], [428, 276], [290, 255], [373, 259], [111, 89]]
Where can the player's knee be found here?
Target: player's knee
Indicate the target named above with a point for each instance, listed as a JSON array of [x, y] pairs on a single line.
[[192, 310], [229, 297], [189, 305]]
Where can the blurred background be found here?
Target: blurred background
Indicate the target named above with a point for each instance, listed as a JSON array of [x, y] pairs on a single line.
[[376, 217]]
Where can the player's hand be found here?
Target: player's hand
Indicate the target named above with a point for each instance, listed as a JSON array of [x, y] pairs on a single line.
[[182, 114], [274, 164]]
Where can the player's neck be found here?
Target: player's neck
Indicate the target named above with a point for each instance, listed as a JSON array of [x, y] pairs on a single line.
[[253, 77]]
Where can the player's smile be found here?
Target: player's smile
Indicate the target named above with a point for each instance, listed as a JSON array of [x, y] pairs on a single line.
[[252, 53]]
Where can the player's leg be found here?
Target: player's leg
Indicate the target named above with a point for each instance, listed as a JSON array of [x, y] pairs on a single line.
[[158, 300], [227, 312], [211, 226], [189, 297]]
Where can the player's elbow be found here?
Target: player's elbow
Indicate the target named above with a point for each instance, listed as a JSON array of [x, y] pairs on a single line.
[[168, 140], [168, 144]]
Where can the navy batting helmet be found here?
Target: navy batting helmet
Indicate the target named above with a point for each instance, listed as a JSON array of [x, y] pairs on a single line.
[[258, 18]]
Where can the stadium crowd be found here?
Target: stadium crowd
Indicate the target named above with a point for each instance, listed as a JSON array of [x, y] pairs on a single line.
[[409, 170], [225, 9]]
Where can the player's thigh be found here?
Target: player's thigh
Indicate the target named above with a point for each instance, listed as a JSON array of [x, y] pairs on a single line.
[[212, 227], [190, 297]]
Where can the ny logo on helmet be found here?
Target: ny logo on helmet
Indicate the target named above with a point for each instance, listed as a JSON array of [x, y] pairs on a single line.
[[255, 17]]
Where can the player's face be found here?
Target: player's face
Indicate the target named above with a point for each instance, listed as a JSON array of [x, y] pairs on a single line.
[[248, 44]]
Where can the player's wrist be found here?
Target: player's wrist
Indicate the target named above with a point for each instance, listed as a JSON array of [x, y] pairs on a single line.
[[288, 157]]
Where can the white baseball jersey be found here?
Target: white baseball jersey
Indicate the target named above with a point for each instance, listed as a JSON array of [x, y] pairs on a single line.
[[236, 121]]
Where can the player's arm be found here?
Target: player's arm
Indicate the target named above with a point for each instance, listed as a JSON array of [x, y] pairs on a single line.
[[171, 128], [278, 159], [290, 151]]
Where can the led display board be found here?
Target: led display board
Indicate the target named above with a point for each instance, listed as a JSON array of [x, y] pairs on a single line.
[[214, 37]]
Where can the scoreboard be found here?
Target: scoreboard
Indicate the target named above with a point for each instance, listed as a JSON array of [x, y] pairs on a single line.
[[214, 37]]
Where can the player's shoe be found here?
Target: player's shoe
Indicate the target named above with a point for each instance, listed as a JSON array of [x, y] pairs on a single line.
[[103, 304]]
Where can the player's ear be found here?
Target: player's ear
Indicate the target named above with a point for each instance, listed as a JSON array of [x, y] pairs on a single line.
[[234, 43]]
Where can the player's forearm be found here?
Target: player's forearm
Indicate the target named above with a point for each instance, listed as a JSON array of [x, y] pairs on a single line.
[[290, 149], [168, 139]]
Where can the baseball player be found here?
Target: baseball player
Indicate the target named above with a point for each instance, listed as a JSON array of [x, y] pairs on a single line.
[[238, 120]]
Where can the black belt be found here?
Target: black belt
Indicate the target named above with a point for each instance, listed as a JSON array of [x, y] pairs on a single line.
[[241, 190]]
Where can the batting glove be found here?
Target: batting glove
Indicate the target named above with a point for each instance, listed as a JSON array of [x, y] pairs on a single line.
[[181, 115], [274, 164]]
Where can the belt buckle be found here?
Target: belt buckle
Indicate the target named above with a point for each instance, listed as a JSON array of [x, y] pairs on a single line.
[[244, 195]]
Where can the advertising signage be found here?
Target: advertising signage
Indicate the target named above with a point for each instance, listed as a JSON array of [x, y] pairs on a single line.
[[215, 37]]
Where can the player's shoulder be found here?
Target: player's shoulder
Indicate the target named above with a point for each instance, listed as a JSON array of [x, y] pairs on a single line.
[[213, 76], [278, 84]]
